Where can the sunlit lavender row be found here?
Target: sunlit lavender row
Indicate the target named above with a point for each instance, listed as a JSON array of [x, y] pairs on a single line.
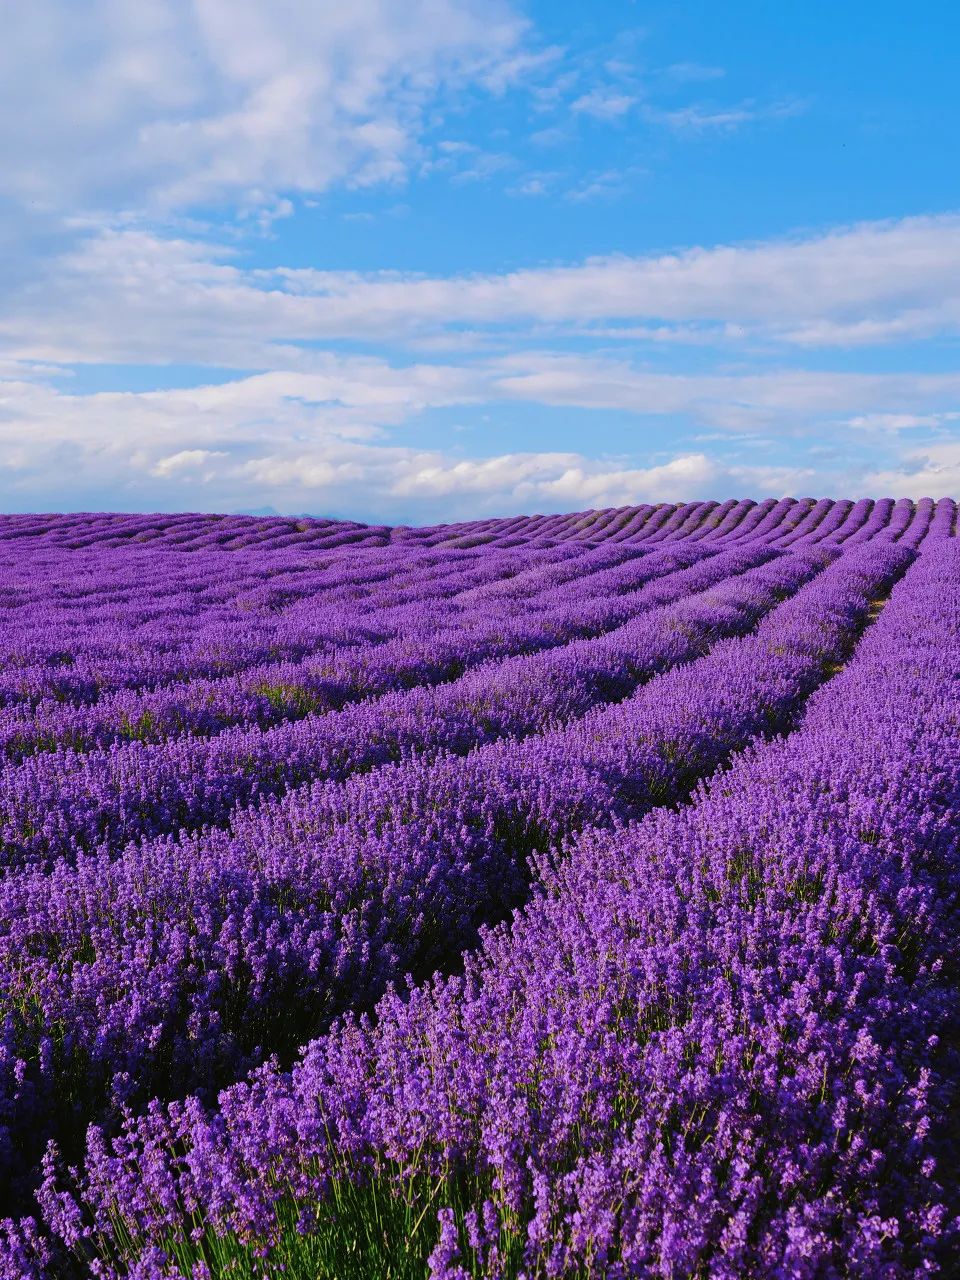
[[559, 896]]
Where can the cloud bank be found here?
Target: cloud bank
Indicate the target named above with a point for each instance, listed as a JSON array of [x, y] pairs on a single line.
[[151, 354]]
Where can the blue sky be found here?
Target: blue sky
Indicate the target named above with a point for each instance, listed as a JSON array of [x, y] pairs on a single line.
[[434, 259]]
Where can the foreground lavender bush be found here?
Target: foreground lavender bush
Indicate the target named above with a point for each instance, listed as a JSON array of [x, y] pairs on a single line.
[[718, 1039]]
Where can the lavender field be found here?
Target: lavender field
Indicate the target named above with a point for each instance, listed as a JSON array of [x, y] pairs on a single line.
[[558, 896]]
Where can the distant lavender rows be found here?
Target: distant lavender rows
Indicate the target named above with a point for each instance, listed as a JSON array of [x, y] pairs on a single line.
[[258, 774], [643, 524]]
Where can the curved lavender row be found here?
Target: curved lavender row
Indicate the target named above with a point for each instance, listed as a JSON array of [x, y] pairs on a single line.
[[59, 803], [655, 519], [772, 519], [82, 576], [105, 660], [832, 522], [627, 526], [814, 516], [800, 520], [528, 527], [751, 519], [104, 586], [310, 906], [900, 517], [941, 524], [623, 525], [198, 533], [686, 517], [763, 522], [615, 579], [878, 521], [502, 565], [916, 530], [856, 517], [268, 694], [207, 584], [545, 572], [744, 687], [722, 520], [177, 646], [664, 520], [528, 583], [79, 530]]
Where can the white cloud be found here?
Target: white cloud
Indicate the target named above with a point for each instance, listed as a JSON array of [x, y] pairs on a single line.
[[701, 118], [894, 422], [124, 295], [787, 398], [603, 104], [331, 439], [933, 470], [538, 183], [273, 441], [570, 479], [196, 460], [606, 184], [483, 166], [552, 136], [174, 102]]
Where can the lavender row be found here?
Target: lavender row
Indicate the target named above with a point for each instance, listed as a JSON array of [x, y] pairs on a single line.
[[123, 986], [719, 1042], [82, 589], [126, 653], [192, 533], [56, 601], [60, 803], [197, 638], [184, 962], [266, 694]]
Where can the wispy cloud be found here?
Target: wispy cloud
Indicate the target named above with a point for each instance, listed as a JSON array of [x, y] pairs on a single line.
[[603, 104], [540, 182], [124, 295], [782, 398], [173, 105], [932, 469], [897, 422], [691, 72], [703, 118], [330, 436], [314, 454], [605, 185]]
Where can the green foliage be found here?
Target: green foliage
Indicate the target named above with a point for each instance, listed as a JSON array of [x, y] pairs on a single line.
[[371, 1231]]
